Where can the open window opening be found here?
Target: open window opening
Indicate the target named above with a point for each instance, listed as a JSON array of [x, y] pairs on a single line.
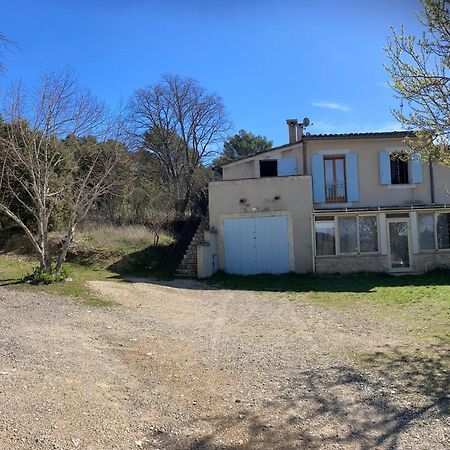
[[399, 169], [268, 168]]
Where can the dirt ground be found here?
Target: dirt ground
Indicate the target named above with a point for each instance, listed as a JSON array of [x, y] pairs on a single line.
[[184, 366]]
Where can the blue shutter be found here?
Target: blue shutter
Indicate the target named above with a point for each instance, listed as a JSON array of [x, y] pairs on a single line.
[[385, 168], [318, 178], [351, 169], [287, 167], [416, 168]]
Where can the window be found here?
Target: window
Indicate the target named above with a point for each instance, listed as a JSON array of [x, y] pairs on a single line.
[[399, 169], [268, 168], [443, 230], [357, 234], [368, 234], [426, 231], [335, 179], [325, 237], [348, 236]]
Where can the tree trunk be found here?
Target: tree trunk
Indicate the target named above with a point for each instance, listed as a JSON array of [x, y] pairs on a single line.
[[64, 248]]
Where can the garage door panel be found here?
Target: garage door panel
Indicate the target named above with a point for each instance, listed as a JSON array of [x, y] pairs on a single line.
[[272, 249], [240, 246], [256, 245]]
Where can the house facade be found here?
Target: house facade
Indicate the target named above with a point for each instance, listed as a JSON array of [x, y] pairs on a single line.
[[336, 203]]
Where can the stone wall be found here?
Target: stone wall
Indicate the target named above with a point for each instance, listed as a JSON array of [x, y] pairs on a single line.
[[423, 262], [351, 263]]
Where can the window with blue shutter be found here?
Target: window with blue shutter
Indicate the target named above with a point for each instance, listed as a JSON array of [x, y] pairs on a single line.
[[385, 167], [351, 169], [287, 167], [318, 178], [416, 168]]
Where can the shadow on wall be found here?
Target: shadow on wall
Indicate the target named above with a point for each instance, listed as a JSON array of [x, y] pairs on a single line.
[[397, 400]]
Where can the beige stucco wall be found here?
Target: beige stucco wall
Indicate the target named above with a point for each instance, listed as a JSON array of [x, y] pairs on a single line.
[[371, 192], [249, 168], [442, 184], [256, 197], [206, 255]]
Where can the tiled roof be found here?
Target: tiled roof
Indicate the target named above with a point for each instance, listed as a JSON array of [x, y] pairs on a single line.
[[318, 137], [381, 134]]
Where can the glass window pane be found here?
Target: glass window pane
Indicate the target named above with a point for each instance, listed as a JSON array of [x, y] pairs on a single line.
[[340, 177], [325, 238], [368, 236], [329, 172], [426, 232], [347, 235], [443, 230]]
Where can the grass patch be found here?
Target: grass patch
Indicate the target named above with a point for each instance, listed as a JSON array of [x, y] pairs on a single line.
[[420, 303], [97, 253], [13, 268]]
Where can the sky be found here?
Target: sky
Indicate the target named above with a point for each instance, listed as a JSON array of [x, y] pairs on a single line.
[[268, 60]]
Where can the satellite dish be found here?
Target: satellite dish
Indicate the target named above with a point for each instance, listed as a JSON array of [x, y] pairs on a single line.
[[306, 122]]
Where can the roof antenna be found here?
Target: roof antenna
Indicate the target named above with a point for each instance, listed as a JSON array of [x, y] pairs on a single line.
[[301, 126]]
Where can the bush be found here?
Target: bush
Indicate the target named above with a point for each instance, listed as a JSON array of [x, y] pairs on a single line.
[[40, 276]]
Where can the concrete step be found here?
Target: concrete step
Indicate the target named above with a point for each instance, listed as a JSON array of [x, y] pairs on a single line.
[[192, 266], [185, 275]]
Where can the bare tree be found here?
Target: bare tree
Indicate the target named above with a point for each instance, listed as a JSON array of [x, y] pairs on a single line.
[[181, 123], [41, 171], [420, 72], [5, 44]]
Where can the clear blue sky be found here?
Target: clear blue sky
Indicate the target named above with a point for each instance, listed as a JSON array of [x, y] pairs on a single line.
[[269, 60]]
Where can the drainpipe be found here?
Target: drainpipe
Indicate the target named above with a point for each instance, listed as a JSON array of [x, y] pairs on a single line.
[[305, 157], [430, 164]]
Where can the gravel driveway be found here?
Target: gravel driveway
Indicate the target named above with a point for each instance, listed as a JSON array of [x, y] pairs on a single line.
[[184, 366]]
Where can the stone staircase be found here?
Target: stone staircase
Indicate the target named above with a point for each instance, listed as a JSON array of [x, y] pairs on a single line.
[[188, 265]]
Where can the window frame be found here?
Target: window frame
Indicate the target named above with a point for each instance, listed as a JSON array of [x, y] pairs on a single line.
[[327, 220], [337, 237], [358, 239], [435, 233], [334, 158]]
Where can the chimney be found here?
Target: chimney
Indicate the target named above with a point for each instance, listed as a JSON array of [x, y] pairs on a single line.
[[292, 126], [299, 131]]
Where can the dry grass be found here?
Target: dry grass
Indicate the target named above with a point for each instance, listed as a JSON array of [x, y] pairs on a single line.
[[111, 236]]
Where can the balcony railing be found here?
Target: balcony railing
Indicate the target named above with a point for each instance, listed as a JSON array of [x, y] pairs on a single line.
[[335, 191]]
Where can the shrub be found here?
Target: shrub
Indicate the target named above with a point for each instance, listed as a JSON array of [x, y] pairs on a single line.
[[40, 276]]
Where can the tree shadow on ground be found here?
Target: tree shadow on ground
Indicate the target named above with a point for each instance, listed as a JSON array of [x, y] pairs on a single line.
[[153, 265], [151, 262], [394, 400]]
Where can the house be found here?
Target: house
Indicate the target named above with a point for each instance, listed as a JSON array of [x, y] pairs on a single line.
[[329, 203]]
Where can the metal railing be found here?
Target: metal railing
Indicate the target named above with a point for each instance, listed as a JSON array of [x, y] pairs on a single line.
[[335, 192]]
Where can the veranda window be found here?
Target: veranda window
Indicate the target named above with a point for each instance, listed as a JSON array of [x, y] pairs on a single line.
[[325, 237], [368, 234], [358, 234], [443, 230], [426, 231], [348, 236]]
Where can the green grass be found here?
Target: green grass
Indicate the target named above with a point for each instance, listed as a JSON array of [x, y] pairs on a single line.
[[13, 268], [97, 253], [420, 303]]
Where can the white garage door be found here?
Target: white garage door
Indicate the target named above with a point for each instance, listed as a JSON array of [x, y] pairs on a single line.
[[256, 245]]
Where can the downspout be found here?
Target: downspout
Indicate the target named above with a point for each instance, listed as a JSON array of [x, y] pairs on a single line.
[[305, 157], [430, 164]]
